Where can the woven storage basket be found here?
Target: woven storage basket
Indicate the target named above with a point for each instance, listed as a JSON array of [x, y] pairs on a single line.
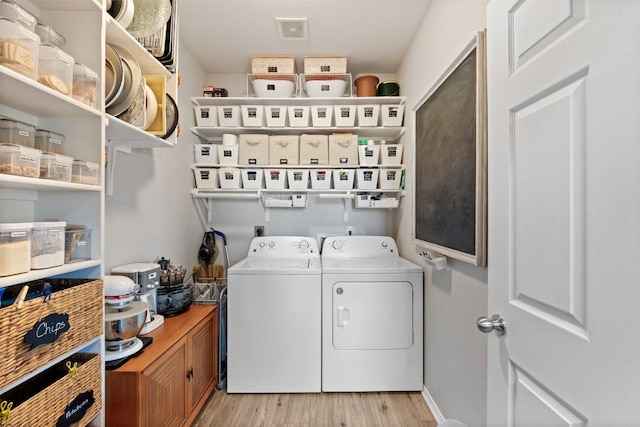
[[324, 64], [47, 406], [273, 64], [84, 305]]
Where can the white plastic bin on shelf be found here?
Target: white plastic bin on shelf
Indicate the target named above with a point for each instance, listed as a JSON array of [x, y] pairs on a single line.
[[391, 115], [314, 149], [228, 154], [367, 179], [15, 248], [368, 155], [253, 149], [252, 115], [229, 178], [298, 179], [390, 179], [343, 179], [252, 178], [275, 179], [320, 179], [206, 177], [206, 154], [206, 116], [343, 149], [368, 115], [276, 116], [321, 115], [391, 154], [345, 115], [298, 116], [229, 115], [284, 149]]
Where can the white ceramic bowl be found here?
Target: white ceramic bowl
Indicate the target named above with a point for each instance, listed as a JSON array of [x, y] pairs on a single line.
[[273, 88], [325, 88]]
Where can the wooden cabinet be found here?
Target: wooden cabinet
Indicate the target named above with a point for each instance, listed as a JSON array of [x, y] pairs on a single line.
[[168, 384]]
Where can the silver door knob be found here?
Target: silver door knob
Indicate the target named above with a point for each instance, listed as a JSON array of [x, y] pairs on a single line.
[[487, 325]]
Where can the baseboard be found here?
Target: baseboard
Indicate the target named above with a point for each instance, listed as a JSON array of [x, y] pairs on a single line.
[[435, 411]]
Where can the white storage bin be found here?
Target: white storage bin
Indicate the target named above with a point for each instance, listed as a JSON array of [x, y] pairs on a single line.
[[298, 179], [206, 116], [47, 244], [367, 179], [252, 178], [206, 177], [206, 154], [368, 115], [15, 248], [363, 200], [252, 115], [391, 154], [368, 155], [276, 179], [343, 150], [345, 115], [320, 179], [298, 116], [299, 200], [284, 149], [392, 115], [276, 116], [321, 115], [229, 115], [390, 179], [253, 149], [229, 178], [314, 149], [343, 179], [228, 154]]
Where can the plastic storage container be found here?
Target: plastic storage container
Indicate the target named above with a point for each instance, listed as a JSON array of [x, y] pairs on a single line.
[[47, 244], [18, 48], [276, 116], [367, 179], [77, 243], [85, 84], [275, 179], [391, 154], [55, 68], [227, 154], [15, 248], [252, 115], [368, 115], [320, 179], [49, 36], [18, 14], [84, 172], [206, 154], [345, 115], [252, 178], [369, 154], [229, 178], [321, 115], [298, 116], [19, 160], [298, 179], [48, 142], [206, 116], [229, 115], [13, 132], [206, 177], [392, 115], [390, 179], [56, 167], [343, 179]]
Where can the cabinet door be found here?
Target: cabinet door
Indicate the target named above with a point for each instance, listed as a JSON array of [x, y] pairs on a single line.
[[166, 389], [203, 347]]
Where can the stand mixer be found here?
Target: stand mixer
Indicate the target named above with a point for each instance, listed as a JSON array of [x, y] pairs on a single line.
[[124, 318], [147, 277]]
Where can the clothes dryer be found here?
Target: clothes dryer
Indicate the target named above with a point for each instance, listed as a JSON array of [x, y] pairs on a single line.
[[274, 317], [372, 319]]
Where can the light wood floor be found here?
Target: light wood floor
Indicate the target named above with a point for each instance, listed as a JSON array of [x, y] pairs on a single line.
[[318, 409]]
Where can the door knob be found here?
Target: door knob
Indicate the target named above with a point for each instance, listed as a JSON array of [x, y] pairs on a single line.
[[487, 325]]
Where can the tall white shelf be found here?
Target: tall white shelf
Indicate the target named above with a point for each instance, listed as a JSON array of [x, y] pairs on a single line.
[[89, 134]]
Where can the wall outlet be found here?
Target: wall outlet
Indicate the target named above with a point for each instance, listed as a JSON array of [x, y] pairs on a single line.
[[258, 230], [349, 231]]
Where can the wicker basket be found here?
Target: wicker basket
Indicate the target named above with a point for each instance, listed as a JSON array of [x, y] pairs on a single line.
[[45, 407], [273, 64], [82, 302], [324, 64]]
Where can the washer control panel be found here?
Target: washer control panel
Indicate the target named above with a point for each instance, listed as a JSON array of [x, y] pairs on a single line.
[[359, 246], [283, 246]]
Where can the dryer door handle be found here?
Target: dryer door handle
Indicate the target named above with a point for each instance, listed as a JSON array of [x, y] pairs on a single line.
[[343, 316]]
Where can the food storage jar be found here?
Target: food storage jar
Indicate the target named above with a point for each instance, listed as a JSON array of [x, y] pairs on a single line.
[[49, 36], [17, 14], [84, 172], [55, 68], [48, 141], [85, 84], [18, 48], [47, 244], [19, 160], [15, 248], [14, 132], [55, 166], [77, 243]]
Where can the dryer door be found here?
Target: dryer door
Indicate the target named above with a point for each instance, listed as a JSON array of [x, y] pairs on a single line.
[[372, 315]]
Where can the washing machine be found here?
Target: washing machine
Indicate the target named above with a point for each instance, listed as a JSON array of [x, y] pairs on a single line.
[[274, 299], [372, 319]]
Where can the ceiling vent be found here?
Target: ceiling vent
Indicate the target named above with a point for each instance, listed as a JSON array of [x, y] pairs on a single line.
[[292, 28]]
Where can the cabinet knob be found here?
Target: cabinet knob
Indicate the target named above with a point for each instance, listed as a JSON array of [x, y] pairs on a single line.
[[190, 374]]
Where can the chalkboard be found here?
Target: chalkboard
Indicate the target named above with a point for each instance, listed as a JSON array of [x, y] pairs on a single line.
[[450, 160]]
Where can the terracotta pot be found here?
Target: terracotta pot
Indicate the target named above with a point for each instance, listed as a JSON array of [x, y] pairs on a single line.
[[366, 85]]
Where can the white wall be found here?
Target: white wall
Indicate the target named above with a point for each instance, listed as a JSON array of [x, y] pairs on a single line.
[[150, 213], [455, 352]]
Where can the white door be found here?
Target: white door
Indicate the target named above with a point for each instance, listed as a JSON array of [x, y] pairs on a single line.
[[564, 212]]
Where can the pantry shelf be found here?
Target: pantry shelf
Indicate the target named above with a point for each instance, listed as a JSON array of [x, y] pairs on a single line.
[[346, 100], [214, 134], [49, 272]]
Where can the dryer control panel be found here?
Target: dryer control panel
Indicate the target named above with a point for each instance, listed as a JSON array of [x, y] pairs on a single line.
[[359, 246], [283, 247]]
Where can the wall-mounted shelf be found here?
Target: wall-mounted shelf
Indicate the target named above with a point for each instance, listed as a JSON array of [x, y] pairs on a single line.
[[214, 134], [345, 100]]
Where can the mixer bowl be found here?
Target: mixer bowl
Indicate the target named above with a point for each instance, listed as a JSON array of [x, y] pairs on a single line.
[[126, 323]]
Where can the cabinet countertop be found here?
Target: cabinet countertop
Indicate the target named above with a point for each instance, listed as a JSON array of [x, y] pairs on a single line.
[[170, 332]]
